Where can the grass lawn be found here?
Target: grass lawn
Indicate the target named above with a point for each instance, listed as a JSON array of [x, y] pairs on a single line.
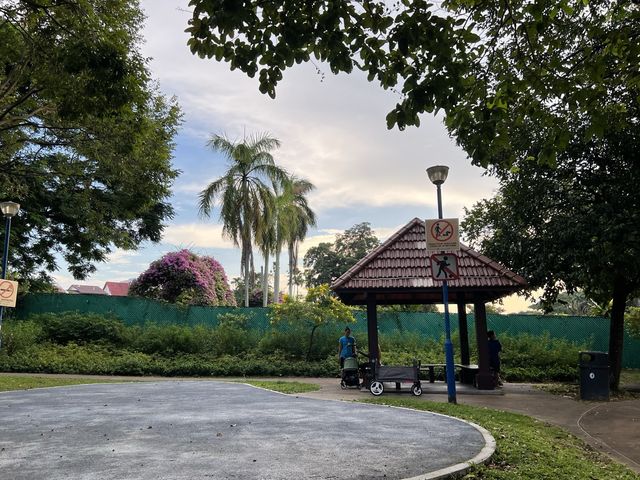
[[284, 387], [10, 382], [630, 377], [526, 449]]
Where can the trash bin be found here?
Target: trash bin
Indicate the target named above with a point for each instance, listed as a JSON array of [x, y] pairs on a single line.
[[594, 375]]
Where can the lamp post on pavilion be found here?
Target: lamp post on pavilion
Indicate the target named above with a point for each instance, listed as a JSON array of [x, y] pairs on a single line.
[[9, 210], [438, 175]]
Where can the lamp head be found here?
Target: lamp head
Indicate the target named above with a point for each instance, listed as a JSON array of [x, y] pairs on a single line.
[[438, 174], [9, 209]]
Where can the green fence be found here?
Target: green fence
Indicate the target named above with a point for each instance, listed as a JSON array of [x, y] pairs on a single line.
[[593, 331], [134, 310]]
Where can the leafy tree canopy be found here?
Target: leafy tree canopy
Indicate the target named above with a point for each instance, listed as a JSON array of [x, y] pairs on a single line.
[[185, 278], [575, 226], [328, 261], [319, 308], [255, 293], [490, 308], [85, 138], [493, 67], [576, 304], [428, 308], [632, 320]]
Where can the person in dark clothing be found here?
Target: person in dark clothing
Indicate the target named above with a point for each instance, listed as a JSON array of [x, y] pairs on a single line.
[[495, 347]]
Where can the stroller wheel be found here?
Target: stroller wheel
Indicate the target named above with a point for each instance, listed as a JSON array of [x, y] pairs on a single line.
[[416, 389], [343, 385], [376, 388]]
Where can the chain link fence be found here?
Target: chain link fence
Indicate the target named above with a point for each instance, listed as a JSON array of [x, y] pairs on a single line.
[[592, 331]]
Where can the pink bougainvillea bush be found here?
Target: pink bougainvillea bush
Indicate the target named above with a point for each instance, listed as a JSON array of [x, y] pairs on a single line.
[[186, 279]]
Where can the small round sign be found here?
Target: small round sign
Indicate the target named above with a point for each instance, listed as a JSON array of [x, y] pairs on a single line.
[[442, 231], [6, 289], [592, 375]]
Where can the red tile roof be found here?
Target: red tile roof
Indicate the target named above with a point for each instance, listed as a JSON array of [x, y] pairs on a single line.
[[402, 264], [117, 289]]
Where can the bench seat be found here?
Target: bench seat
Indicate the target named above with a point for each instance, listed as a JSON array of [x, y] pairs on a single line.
[[467, 372]]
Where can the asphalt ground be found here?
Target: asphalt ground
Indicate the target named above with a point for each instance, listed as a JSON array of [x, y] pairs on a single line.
[[610, 427], [217, 430]]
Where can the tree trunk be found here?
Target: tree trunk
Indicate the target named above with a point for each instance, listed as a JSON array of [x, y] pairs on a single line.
[[292, 267], [311, 343], [265, 280], [247, 279], [296, 252], [616, 332], [276, 278]]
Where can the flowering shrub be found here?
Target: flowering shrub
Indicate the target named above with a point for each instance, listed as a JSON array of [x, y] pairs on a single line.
[[186, 279]]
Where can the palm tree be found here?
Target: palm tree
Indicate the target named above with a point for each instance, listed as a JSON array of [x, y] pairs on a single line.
[[265, 239], [243, 193], [293, 218], [303, 218], [281, 230]]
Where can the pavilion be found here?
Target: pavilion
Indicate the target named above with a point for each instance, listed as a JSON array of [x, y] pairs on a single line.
[[398, 272]]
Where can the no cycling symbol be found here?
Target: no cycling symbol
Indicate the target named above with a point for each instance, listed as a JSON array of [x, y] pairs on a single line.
[[442, 231], [6, 289], [8, 293]]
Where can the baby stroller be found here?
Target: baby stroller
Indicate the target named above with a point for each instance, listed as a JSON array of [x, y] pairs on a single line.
[[350, 374]]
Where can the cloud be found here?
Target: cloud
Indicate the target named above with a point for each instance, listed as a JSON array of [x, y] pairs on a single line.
[[196, 235], [333, 131], [122, 257]]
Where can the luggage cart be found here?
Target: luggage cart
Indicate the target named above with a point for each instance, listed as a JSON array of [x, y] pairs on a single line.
[[398, 375]]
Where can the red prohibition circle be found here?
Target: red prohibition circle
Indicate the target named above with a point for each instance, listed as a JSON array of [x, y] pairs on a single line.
[[446, 227], [6, 289]]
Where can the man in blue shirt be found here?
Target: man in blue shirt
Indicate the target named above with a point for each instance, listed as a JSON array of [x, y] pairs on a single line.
[[346, 346]]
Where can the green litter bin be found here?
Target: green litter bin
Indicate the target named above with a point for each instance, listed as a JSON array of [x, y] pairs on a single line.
[[594, 375]]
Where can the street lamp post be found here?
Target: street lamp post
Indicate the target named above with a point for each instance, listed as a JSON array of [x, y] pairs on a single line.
[[438, 175], [9, 210]]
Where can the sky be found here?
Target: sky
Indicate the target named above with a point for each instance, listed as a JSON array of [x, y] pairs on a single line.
[[333, 133]]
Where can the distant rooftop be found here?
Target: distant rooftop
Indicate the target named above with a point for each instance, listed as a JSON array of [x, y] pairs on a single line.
[[86, 290], [117, 289]]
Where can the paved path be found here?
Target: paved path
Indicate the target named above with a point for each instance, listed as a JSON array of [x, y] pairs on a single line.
[[202, 430], [611, 427], [615, 428]]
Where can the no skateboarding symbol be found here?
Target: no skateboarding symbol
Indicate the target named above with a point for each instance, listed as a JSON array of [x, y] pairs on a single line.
[[442, 235], [8, 293], [444, 266]]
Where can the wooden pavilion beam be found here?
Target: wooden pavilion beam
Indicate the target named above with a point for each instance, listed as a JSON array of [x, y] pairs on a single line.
[[463, 331], [372, 326], [484, 378]]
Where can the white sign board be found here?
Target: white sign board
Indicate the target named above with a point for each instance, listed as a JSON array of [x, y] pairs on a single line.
[[444, 266], [442, 235], [8, 293]]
